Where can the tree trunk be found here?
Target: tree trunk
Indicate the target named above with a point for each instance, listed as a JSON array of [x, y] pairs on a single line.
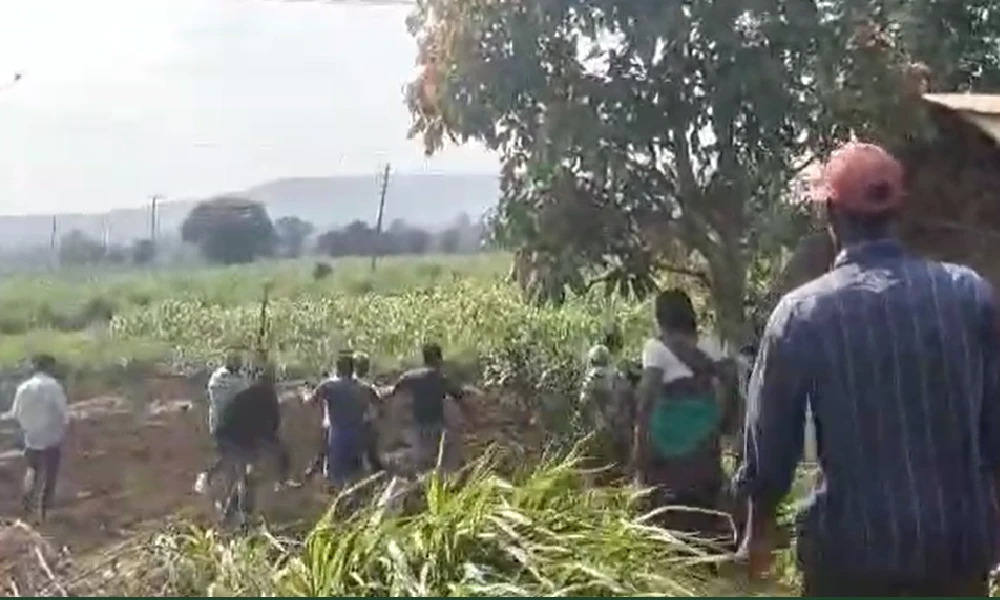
[[728, 274]]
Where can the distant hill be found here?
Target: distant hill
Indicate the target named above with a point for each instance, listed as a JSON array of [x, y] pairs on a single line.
[[429, 200]]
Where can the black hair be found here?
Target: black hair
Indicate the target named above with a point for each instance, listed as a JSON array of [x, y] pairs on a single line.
[[853, 227], [433, 355], [613, 338], [233, 359], [674, 311], [43, 362], [362, 364], [345, 364]]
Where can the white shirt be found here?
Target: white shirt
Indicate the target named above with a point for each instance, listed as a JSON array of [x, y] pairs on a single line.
[[656, 355], [223, 386], [40, 408]]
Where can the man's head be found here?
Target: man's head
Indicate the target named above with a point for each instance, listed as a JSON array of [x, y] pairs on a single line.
[[613, 338], [432, 354], [43, 363], [345, 364], [267, 372], [234, 361], [599, 356], [362, 365], [674, 312], [862, 192]]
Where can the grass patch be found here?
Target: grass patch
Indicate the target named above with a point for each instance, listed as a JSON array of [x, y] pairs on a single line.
[[539, 532]]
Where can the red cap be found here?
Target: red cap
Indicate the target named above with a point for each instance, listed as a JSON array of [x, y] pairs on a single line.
[[862, 178]]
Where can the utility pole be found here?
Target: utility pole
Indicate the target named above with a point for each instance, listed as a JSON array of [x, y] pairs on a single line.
[[105, 235], [153, 225], [53, 238], [376, 250]]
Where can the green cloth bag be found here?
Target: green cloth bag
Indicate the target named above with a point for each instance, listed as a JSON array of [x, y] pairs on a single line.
[[678, 426]]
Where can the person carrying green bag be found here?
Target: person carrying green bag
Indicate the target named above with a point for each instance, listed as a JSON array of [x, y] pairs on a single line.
[[677, 447]]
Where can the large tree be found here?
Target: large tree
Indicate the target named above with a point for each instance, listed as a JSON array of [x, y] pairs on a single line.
[[642, 135], [230, 230], [292, 234]]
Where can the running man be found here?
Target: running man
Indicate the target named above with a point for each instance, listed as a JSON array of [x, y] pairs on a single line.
[[345, 403], [678, 417], [41, 411], [606, 403], [428, 387], [248, 426], [362, 369], [225, 384]]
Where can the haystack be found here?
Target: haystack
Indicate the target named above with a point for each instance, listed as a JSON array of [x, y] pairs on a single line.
[[953, 212], [953, 180]]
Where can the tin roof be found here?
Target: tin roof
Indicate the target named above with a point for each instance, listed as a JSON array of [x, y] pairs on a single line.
[[982, 110]]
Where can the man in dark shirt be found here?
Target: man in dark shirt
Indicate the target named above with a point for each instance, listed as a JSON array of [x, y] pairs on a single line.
[[428, 387], [345, 405], [898, 359], [250, 422]]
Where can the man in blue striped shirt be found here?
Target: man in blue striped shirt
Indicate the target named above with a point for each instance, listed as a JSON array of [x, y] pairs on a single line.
[[899, 359]]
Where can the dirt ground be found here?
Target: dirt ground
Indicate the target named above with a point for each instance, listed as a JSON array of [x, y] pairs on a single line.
[[131, 461], [131, 457]]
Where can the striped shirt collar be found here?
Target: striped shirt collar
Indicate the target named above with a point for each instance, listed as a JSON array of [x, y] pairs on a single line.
[[868, 251]]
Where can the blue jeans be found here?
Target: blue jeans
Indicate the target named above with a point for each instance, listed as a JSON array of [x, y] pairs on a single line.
[[345, 446]]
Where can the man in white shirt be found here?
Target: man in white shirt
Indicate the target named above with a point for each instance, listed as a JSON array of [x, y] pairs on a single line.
[[40, 409], [225, 383]]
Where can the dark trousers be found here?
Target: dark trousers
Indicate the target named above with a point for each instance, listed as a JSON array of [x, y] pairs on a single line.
[[316, 466], [370, 448], [226, 451], [279, 452], [822, 581], [820, 584], [40, 475]]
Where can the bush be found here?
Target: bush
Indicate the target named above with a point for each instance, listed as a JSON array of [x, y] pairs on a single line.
[[542, 532], [322, 270]]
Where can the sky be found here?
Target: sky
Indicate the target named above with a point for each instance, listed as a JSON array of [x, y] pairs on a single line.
[[122, 99]]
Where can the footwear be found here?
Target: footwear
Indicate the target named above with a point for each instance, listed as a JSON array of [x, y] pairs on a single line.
[[201, 483]]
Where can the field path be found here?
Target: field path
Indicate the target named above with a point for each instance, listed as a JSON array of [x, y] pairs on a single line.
[[130, 461], [131, 457]]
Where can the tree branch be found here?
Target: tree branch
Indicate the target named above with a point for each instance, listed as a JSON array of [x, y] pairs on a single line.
[[603, 278], [701, 276]]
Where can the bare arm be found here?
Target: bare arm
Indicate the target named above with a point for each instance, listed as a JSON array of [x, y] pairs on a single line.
[[402, 384], [62, 404], [459, 395], [588, 398], [15, 407]]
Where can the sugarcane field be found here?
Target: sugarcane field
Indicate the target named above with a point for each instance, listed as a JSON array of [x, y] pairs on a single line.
[[505, 298], [138, 435]]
